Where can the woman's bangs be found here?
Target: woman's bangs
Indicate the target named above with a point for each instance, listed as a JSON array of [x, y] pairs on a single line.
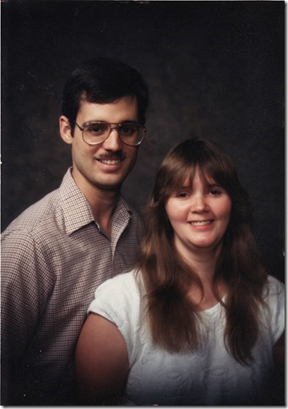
[[208, 174], [213, 171], [180, 178]]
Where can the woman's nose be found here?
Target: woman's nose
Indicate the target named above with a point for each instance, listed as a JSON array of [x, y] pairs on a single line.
[[199, 204]]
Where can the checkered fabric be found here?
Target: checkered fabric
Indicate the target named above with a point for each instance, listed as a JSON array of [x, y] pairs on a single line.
[[54, 256]]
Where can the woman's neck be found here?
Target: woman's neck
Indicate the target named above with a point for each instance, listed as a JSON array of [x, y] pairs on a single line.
[[203, 265]]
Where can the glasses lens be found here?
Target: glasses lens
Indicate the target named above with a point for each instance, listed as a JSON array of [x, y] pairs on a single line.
[[131, 134], [95, 133]]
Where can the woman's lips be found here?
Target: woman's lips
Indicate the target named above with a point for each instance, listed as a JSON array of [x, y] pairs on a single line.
[[200, 222]]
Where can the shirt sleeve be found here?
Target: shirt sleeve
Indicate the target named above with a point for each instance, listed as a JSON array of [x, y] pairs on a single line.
[[118, 301], [276, 303], [22, 293]]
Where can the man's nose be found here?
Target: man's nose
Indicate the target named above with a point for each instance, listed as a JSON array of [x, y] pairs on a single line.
[[113, 142]]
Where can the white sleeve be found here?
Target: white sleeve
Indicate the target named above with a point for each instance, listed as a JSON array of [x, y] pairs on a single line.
[[276, 302], [118, 301]]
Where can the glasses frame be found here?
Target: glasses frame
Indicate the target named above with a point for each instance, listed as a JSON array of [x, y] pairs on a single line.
[[116, 126]]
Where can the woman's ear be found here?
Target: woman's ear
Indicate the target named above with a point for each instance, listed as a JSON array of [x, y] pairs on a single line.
[[65, 130]]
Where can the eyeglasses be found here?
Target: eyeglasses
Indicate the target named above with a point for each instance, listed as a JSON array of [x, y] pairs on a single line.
[[95, 133]]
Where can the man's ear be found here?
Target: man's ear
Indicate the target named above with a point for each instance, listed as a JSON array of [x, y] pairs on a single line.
[[65, 129]]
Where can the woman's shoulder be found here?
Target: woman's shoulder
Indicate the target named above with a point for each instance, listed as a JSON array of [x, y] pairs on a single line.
[[124, 281], [122, 291], [275, 288], [119, 300], [274, 297]]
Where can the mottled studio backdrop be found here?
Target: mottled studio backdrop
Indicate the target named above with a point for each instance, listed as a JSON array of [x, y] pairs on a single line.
[[215, 70]]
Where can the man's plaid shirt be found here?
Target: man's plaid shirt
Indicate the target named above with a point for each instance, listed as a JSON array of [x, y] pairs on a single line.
[[54, 256]]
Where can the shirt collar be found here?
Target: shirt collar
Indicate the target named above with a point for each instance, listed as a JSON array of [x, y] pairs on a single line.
[[76, 208]]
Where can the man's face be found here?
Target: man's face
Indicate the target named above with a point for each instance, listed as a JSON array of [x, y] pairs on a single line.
[[106, 165]]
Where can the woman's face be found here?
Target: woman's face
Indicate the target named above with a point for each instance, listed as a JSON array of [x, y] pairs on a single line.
[[199, 215]]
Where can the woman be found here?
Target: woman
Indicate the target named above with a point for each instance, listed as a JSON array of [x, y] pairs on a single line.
[[199, 321]]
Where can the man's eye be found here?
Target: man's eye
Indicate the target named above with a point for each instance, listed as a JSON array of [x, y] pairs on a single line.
[[95, 129], [128, 130]]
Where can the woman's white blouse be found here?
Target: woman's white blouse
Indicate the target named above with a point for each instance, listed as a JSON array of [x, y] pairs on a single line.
[[209, 376]]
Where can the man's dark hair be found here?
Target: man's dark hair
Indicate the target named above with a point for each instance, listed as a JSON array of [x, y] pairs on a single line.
[[103, 80]]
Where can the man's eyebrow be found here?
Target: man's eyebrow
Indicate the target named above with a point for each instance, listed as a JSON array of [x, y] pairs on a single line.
[[126, 121]]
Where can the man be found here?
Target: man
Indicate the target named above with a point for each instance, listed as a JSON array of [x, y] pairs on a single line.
[[56, 253]]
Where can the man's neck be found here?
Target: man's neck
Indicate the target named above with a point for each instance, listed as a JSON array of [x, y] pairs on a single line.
[[102, 206], [102, 202]]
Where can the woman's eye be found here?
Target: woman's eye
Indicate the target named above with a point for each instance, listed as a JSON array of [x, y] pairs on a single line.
[[215, 192], [182, 195]]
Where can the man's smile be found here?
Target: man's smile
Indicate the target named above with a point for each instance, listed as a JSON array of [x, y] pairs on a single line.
[[110, 161]]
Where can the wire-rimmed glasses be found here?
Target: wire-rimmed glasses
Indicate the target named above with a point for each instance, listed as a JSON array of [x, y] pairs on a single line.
[[96, 132]]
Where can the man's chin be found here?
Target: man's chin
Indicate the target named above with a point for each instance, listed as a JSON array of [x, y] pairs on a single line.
[[109, 186], [112, 188]]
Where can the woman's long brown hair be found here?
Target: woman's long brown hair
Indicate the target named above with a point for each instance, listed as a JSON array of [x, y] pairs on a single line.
[[173, 319]]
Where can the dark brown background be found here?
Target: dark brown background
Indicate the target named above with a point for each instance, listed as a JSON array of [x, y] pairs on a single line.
[[215, 70]]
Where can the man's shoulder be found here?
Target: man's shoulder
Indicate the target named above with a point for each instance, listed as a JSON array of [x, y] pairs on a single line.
[[36, 216], [52, 213]]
